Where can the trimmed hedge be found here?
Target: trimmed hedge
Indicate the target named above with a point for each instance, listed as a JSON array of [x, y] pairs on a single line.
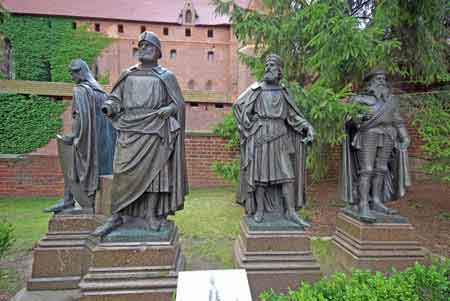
[[417, 283]]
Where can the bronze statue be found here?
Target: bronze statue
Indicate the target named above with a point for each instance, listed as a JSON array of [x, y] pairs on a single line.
[[273, 134], [87, 152], [374, 158], [147, 109]]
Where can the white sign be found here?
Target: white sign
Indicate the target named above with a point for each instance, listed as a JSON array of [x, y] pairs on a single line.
[[213, 285]]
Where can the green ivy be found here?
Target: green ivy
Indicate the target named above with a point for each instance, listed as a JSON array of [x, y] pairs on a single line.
[[44, 46], [432, 118], [42, 49], [417, 283], [27, 122]]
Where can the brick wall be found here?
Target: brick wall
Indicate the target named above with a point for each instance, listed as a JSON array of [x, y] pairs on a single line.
[[39, 173]]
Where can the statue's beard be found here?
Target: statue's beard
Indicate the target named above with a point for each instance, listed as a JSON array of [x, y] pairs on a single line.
[[271, 77], [379, 91]]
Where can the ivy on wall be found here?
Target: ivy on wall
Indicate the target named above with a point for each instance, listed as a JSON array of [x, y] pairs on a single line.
[[27, 122], [44, 46]]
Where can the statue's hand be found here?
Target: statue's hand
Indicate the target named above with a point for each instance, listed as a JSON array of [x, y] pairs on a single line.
[[107, 109], [165, 112], [404, 143], [67, 139], [309, 134]]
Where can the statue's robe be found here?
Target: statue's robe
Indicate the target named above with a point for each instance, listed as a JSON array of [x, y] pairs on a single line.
[[384, 118], [149, 155], [272, 152], [105, 132], [84, 169]]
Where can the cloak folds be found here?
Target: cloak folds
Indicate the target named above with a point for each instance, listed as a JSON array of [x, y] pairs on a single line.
[[153, 144], [248, 127], [396, 180], [85, 149]]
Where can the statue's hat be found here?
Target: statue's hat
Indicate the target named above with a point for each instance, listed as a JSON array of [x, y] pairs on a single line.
[[152, 38], [375, 71], [274, 58]]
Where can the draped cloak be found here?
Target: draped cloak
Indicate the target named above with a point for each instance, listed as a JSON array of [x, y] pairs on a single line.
[[85, 150], [396, 180], [249, 125], [149, 155]]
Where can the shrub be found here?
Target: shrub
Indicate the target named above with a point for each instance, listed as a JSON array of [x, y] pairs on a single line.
[[417, 283], [6, 237]]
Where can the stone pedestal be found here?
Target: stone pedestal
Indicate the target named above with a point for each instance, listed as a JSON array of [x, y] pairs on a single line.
[[275, 258], [132, 270], [388, 243], [59, 260]]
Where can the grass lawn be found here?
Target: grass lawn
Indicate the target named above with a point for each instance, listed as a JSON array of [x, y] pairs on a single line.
[[209, 225]]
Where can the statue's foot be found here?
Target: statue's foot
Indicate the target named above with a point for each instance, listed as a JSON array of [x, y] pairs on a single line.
[[154, 225], [112, 223], [379, 207], [258, 216], [366, 216], [293, 217], [61, 205]]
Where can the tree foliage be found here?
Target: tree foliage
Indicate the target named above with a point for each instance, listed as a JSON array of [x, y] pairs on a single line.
[[326, 50], [44, 46]]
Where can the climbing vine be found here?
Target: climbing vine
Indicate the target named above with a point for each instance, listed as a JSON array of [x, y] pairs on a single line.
[[44, 46]]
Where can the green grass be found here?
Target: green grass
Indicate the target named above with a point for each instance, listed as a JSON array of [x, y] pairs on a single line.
[[209, 224], [30, 224]]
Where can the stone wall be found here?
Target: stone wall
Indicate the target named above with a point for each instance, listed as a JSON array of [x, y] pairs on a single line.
[[39, 173]]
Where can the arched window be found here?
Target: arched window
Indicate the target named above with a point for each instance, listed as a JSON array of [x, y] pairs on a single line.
[[209, 85], [191, 84], [173, 54], [188, 17], [210, 55]]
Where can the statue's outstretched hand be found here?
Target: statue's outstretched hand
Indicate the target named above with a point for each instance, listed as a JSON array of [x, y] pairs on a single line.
[[165, 112], [309, 134]]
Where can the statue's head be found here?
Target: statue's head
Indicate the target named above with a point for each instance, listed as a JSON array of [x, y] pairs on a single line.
[[273, 69], [149, 47], [376, 82], [79, 70]]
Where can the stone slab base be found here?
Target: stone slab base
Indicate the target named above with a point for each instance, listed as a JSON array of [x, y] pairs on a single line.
[[59, 260], [59, 295], [377, 246], [132, 271], [278, 259]]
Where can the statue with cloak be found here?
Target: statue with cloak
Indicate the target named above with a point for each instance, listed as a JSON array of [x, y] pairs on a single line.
[[88, 151], [272, 134], [374, 159], [147, 109]]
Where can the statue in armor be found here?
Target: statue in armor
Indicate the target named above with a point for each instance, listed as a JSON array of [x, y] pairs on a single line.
[[374, 154], [88, 151], [147, 109], [273, 134]]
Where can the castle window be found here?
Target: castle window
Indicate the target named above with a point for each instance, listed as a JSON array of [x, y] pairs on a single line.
[[210, 33], [120, 28], [74, 25], [187, 32], [97, 27], [173, 54], [210, 56], [194, 104], [208, 85], [143, 28], [191, 84], [219, 105], [166, 31], [188, 17]]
